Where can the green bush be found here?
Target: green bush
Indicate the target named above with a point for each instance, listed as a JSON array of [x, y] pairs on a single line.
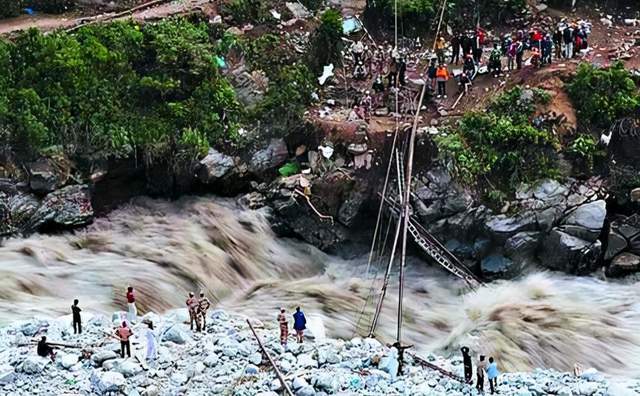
[[248, 11], [10, 8], [287, 99], [115, 89], [413, 14], [500, 148], [584, 149], [326, 43], [269, 53], [603, 95]]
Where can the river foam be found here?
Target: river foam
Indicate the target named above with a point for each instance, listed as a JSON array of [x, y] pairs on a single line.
[[166, 249]]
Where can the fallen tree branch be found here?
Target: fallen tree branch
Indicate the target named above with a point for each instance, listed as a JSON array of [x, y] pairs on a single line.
[[273, 364]]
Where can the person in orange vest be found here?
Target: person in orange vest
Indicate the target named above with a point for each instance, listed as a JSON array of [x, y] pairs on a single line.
[[442, 76], [123, 333]]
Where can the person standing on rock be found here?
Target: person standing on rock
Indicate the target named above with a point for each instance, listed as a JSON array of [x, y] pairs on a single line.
[[150, 339], [77, 320], [123, 333], [299, 324], [466, 361], [284, 328], [44, 349], [132, 314], [203, 307], [492, 374], [192, 306], [480, 372]]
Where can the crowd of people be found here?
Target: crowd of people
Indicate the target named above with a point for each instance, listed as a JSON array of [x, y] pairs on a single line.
[[387, 66]]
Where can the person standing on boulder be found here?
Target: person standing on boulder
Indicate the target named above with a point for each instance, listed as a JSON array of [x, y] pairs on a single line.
[[480, 372], [492, 374], [284, 328], [132, 314], [203, 307], [299, 324], [466, 361], [192, 306], [77, 320], [44, 349], [123, 333]]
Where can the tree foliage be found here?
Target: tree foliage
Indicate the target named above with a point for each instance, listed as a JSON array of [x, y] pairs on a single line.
[[116, 88], [500, 147], [603, 95], [326, 43]]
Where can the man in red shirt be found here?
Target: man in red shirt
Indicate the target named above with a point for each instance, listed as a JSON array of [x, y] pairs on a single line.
[[132, 315], [123, 333]]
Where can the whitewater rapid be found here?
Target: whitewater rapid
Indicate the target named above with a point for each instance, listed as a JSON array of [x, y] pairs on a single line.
[[166, 249]]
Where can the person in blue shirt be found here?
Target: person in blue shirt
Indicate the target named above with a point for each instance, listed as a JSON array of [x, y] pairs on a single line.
[[299, 324], [492, 374]]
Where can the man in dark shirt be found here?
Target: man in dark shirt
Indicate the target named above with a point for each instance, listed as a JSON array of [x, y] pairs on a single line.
[[45, 349], [77, 320]]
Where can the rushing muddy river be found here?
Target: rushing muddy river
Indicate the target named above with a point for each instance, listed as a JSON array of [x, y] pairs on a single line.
[[165, 249]]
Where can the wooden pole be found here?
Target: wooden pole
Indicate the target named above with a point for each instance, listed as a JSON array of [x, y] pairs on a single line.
[[405, 211], [273, 364], [59, 344]]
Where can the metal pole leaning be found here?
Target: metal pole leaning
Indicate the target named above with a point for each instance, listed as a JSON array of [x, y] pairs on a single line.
[[273, 364]]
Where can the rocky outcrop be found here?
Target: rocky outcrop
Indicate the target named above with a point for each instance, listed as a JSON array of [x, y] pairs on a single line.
[[48, 174], [67, 207], [269, 157], [214, 166], [624, 264], [623, 245], [550, 222]]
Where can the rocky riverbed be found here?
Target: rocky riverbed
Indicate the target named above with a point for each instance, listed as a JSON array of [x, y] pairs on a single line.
[[226, 359]]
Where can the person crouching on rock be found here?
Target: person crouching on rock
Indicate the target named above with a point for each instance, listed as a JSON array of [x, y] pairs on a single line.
[[192, 306], [123, 333], [284, 328], [466, 361], [299, 324], [203, 307], [44, 349]]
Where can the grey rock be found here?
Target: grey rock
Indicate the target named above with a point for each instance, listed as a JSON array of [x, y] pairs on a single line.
[[69, 206], [128, 368], [327, 382], [68, 360], [306, 391], [45, 175], [616, 243], [549, 189], [102, 356], [624, 264], [34, 364], [105, 382], [568, 253], [7, 374], [298, 10], [496, 266], [268, 158], [502, 227], [211, 360], [589, 217], [352, 203], [299, 383], [214, 166], [522, 244], [251, 370], [176, 334], [178, 379]]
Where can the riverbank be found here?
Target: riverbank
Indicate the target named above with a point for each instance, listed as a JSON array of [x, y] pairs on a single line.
[[226, 360]]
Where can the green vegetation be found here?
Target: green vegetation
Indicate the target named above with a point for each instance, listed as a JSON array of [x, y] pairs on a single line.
[[584, 149], [269, 53], [116, 89], [326, 43], [500, 148], [9, 8], [602, 96], [287, 98], [248, 11]]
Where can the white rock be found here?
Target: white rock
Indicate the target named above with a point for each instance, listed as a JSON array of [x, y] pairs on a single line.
[[34, 364], [211, 360], [305, 360], [128, 368], [176, 334], [68, 360], [199, 367], [298, 383], [255, 358], [109, 381], [178, 379], [102, 356]]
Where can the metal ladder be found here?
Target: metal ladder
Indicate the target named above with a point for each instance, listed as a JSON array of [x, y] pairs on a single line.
[[436, 250]]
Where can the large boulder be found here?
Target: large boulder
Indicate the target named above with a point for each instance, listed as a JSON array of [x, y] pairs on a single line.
[[496, 266], [502, 227], [176, 334], [586, 221], [107, 382], [214, 166], [523, 245], [7, 374], [34, 364], [102, 356], [616, 244], [352, 203], [67, 207], [624, 264], [270, 157], [568, 253], [47, 175]]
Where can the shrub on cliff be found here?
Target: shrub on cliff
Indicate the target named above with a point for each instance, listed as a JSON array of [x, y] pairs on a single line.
[[603, 95], [326, 43], [10, 8], [500, 148]]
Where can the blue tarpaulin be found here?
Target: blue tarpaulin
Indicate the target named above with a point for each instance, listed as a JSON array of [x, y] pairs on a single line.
[[351, 25]]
